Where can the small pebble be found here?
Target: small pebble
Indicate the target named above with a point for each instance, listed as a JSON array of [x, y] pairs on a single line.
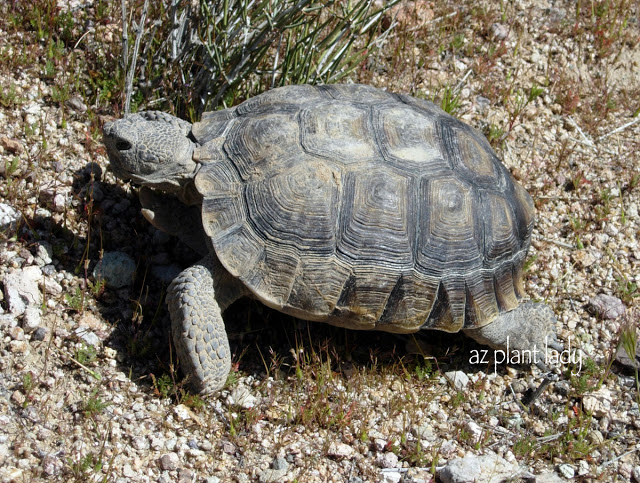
[[169, 461], [458, 378], [116, 269], [9, 218], [567, 470], [340, 450]]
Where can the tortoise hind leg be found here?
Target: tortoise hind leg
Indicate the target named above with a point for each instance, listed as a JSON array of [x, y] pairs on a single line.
[[530, 329], [197, 326]]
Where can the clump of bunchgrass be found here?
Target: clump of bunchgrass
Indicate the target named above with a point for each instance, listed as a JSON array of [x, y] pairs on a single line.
[[211, 55]]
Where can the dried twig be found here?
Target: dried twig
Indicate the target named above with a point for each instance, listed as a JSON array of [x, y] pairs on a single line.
[[555, 242], [125, 35], [613, 460], [435, 20], [587, 141], [128, 88], [620, 129]]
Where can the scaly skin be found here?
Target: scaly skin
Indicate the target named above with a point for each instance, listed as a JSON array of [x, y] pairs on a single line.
[[529, 327], [198, 329]]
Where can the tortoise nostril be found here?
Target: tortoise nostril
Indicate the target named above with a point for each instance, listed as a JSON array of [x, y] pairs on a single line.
[[123, 145]]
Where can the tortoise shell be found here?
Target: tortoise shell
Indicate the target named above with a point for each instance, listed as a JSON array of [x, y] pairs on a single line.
[[361, 208]]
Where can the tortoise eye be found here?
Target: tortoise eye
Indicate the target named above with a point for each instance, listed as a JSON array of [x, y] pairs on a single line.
[[123, 145]]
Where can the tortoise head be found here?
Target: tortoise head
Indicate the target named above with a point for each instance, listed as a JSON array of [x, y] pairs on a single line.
[[152, 149]]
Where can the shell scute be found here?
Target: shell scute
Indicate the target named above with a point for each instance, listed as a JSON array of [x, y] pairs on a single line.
[[337, 131]]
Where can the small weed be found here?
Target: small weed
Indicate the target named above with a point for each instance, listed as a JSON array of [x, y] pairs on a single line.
[[11, 167], [94, 405], [97, 287], [86, 354], [163, 385], [627, 289], [192, 400], [425, 370], [529, 263], [9, 97], [577, 224], [494, 133], [81, 470], [524, 446], [232, 379], [576, 182], [415, 455], [458, 399], [521, 101], [629, 342], [28, 385], [458, 42], [450, 102], [27, 382], [75, 301], [588, 379]]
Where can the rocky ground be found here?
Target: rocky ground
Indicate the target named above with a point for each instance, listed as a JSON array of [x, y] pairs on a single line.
[[89, 389]]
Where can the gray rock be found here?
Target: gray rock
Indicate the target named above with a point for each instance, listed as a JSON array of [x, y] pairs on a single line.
[[32, 319], [387, 460], [567, 470], [41, 333], [280, 464], [489, 468], [607, 306], [499, 31], [141, 443], [21, 289], [391, 476], [9, 218], [76, 104], [52, 465], [185, 475], [424, 431], [417, 475], [340, 450], [458, 378], [193, 444], [598, 403], [474, 430], [87, 336], [483, 102], [116, 269], [32, 108], [169, 461], [8, 321], [241, 396], [632, 362], [549, 477], [44, 253], [16, 333], [50, 286], [272, 476], [555, 15]]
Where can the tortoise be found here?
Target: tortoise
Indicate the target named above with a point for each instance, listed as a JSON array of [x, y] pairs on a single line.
[[344, 204]]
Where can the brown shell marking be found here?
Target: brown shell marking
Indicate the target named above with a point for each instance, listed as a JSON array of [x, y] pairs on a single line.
[[363, 209]]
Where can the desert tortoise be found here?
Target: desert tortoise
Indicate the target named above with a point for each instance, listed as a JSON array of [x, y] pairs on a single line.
[[344, 204]]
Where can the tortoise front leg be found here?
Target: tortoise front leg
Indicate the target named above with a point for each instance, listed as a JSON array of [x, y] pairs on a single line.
[[198, 330]]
